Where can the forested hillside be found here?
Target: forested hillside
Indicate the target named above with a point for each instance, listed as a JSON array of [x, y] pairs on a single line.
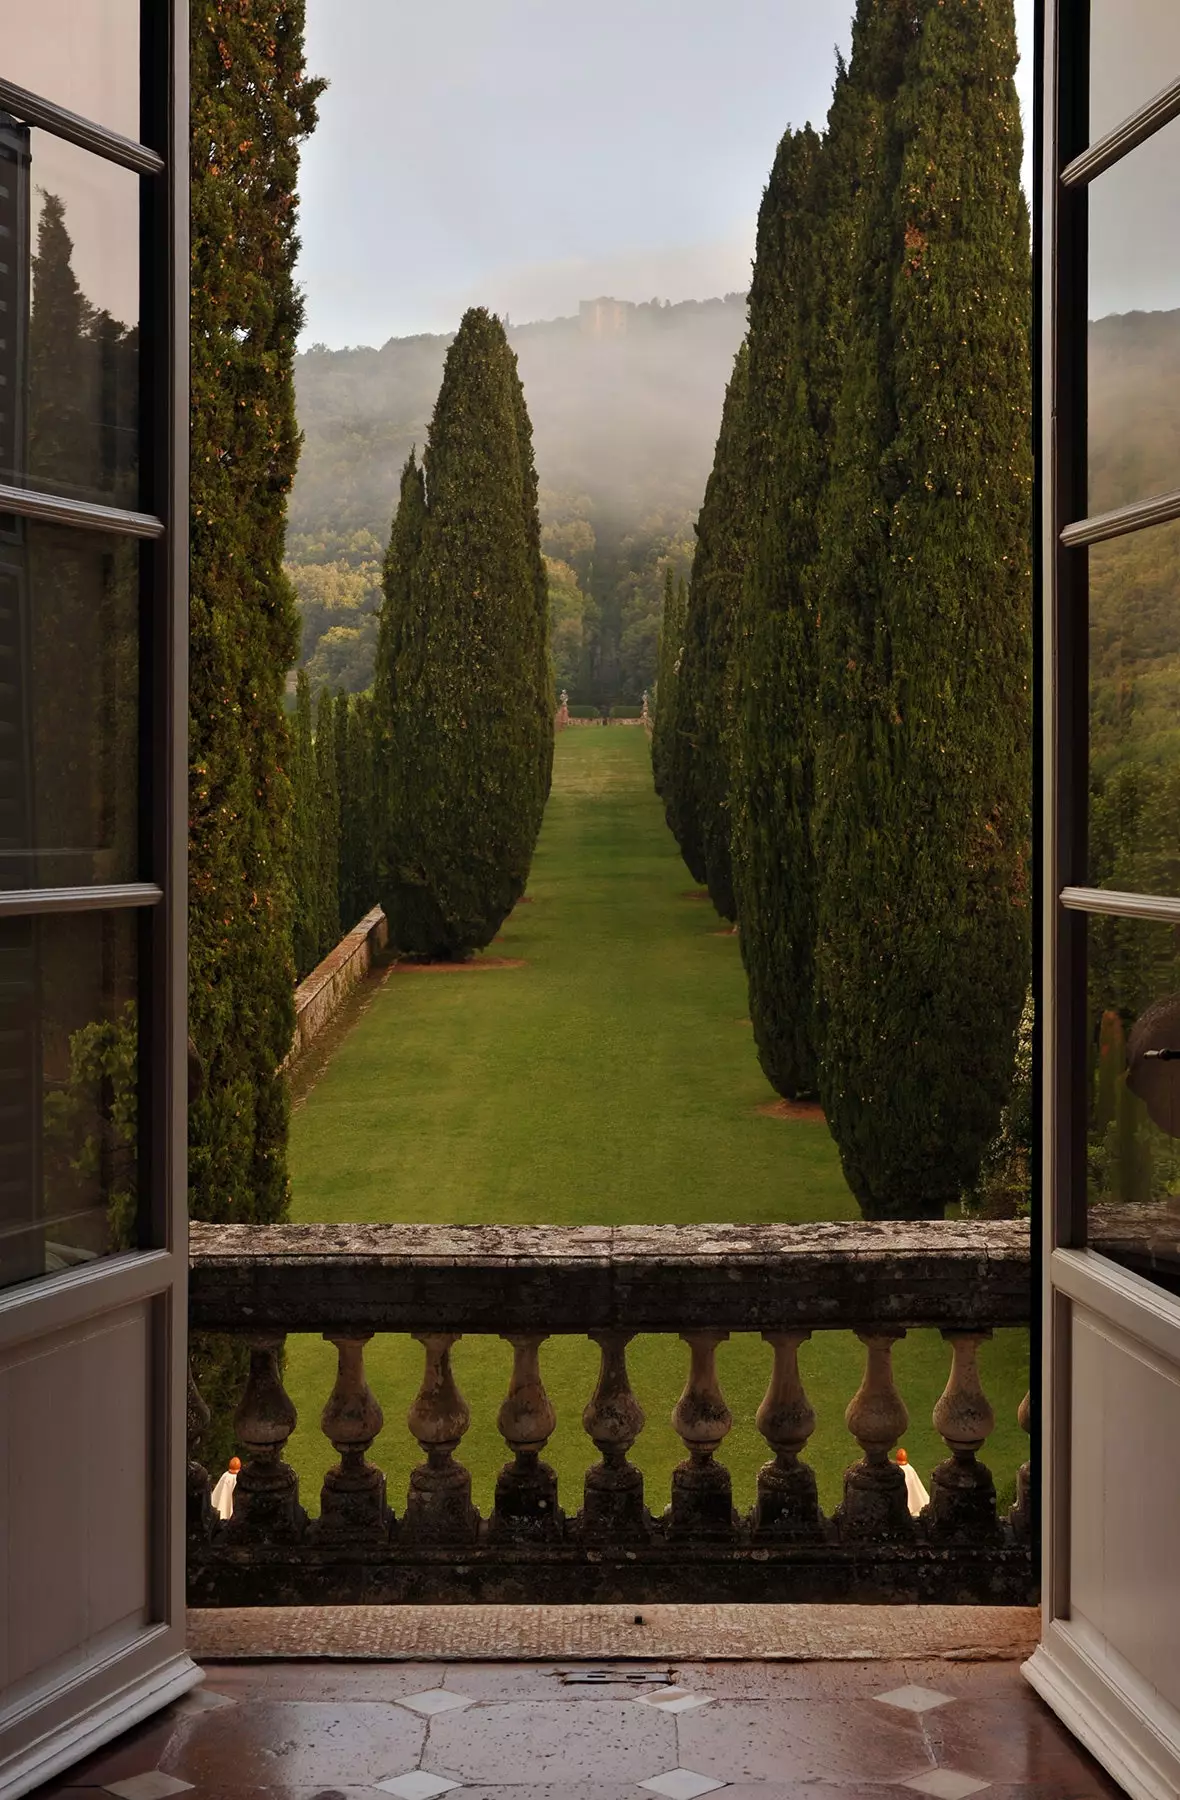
[[625, 427]]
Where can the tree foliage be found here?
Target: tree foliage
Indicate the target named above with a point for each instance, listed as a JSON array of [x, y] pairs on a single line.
[[667, 677], [252, 104], [924, 739], [358, 808], [698, 809], [464, 688], [774, 665]]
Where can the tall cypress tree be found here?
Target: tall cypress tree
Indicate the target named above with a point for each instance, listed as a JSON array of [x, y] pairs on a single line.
[[534, 648], [464, 686], [358, 814], [667, 671], [395, 626], [926, 615], [327, 811], [302, 838], [714, 593], [683, 801], [252, 103], [775, 672]]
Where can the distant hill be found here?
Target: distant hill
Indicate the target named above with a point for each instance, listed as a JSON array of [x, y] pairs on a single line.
[[627, 419], [625, 402]]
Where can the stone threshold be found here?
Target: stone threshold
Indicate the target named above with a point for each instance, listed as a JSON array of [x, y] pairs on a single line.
[[706, 1633]]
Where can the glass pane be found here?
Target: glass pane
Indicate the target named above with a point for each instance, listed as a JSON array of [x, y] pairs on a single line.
[[69, 320], [68, 1091], [1133, 1140], [1134, 306], [81, 54], [1135, 712], [69, 707], [1134, 52]]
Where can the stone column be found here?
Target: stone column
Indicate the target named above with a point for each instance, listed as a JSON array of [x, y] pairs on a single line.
[[438, 1506], [962, 1493], [1020, 1517], [352, 1504], [874, 1504], [702, 1503], [266, 1498], [788, 1501], [612, 1506], [526, 1489]]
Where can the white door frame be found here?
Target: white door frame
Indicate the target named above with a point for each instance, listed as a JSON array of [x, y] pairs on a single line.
[[1100, 1322]]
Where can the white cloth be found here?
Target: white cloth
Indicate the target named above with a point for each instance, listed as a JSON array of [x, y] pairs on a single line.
[[915, 1493], [222, 1497]]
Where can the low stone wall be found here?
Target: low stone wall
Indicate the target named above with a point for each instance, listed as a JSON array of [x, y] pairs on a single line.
[[320, 996]]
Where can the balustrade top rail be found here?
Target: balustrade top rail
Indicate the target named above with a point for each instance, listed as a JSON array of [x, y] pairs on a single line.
[[500, 1278]]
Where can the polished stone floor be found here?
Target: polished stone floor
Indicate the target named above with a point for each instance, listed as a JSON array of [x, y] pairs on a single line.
[[869, 1730]]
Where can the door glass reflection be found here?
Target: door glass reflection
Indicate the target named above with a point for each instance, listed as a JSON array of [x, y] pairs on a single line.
[[1134, 837], [1134, 309], [69, 347], [69, 707], [1134, 52], [81, 54], [68, 1091]]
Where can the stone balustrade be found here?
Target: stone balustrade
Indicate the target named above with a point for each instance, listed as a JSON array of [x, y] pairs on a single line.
[[609, 1542]]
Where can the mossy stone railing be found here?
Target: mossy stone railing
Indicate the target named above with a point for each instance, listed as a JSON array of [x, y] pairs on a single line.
[[529, 1283]]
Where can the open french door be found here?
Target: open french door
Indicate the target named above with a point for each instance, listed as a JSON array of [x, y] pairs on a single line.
[[93, 628], [1109, 1661]]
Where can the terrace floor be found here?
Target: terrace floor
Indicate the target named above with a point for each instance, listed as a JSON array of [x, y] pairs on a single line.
[[838, 1727]]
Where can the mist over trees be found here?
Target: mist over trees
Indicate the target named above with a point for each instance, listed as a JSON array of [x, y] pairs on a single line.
[[624, 428]]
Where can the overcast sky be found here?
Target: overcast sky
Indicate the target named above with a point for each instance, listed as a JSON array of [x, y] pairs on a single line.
[[526, 154]]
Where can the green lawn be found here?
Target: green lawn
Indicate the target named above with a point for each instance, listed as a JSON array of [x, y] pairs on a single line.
[[612, 1079]]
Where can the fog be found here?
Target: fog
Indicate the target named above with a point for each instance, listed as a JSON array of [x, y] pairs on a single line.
[[627, 419]]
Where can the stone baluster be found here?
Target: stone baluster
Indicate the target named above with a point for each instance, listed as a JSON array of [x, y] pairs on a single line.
[[352, 1503], [874, 1504], [788, 1503], [438, 1506], [266, 1498], [612, 1505], [1020, 1517], [962, 1492], [526, 1489], [199, 1512], [702, 1504]]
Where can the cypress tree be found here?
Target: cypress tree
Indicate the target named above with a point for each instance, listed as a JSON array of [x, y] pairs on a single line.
[[926, 613], [464, 685], [354, 761], [774, 673], [714, 593], [252, 103], [304, 852], [534, 647], [401, 558], [667, 669], [327, 817], [341, 731], [683, 802]]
